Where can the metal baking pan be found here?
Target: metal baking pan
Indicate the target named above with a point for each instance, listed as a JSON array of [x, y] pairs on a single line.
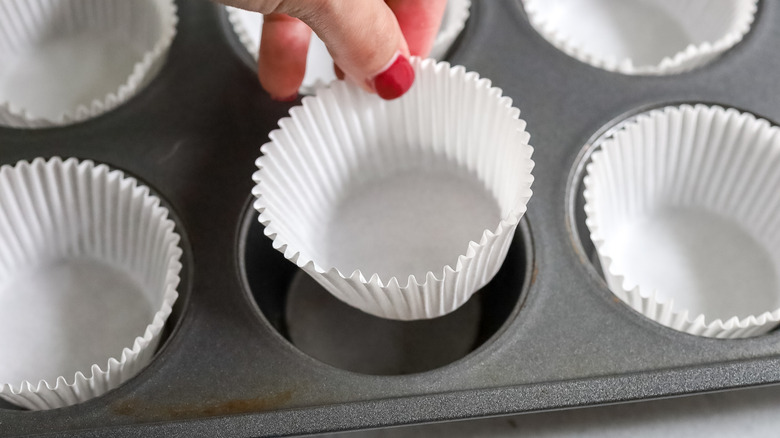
[[545, 334]]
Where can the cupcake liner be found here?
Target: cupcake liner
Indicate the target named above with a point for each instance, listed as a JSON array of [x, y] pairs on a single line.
[[89, 265], [319, 65], [681, 204], [400, 208], [67, 61], [642, 38]]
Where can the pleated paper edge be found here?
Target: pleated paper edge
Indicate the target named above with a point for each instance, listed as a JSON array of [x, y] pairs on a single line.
[[691, 57], [461, 10], [506, 225], [131, 360], [234, 18], [143, 72], [646, 301]]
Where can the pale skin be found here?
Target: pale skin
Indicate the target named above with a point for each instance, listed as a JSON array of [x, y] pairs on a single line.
[[362, 36]]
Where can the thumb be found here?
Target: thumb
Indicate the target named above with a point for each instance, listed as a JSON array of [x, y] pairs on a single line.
[[364, 39]]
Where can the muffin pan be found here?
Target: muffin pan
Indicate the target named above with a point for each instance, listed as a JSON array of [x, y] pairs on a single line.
[[241, 356]]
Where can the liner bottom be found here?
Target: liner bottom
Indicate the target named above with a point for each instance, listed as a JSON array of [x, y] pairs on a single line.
[[60, 74], [58, 307], [700, 261]]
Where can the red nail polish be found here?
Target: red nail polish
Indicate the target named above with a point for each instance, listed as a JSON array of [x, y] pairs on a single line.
[[394, 80], [285, 99]]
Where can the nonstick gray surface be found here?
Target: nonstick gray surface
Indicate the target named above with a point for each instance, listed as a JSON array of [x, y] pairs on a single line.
[[253, 349]]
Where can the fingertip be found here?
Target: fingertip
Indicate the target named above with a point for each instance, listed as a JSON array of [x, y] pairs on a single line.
[[419, 21], [281, 63], [289, 98], [365, 43]]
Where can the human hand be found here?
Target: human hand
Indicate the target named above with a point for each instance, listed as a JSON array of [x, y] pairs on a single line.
[[370, 41]]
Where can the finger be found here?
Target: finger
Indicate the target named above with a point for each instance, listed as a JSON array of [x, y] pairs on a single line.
[[281, 63], [419, 21], [366, 41], [261, 6], [339, 72]]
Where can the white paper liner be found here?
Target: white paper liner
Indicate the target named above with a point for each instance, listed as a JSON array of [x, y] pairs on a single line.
[[344, 142], [66, 61], [642, 37], [319, 65], [55, 213], [682, 208]]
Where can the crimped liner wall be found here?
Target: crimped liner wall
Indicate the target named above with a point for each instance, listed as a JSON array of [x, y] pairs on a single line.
[[707, 158], [344, 137], [149, 24], [726, 24], [56, 209]]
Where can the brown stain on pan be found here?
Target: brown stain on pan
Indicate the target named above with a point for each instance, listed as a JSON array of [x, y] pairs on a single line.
[[576, 244], [144, 410], [534, 273]]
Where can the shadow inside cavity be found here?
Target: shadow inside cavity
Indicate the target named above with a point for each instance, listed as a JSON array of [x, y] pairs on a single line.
[[345, 337], [8, 405], [325, 328]]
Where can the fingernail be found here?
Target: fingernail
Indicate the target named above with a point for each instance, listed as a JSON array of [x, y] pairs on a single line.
[[339, 72], [289, 98], [395, 79]]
